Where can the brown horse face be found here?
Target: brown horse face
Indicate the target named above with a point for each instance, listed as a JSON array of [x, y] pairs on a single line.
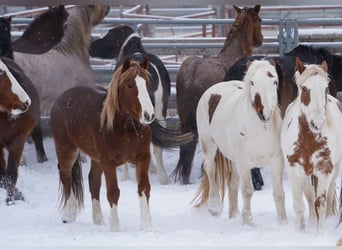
[[13, 99], [253, 13], [134, 98]]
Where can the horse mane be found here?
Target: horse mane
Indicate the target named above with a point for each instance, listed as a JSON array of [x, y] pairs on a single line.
[[310, 70], [77, 30], [110, 104]]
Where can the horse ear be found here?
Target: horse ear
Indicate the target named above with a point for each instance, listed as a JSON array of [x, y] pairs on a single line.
[[324, 66], [237, 9], [126, 64], [299, 65], [257, 8], [272, 62], [144, 62], [248, 63], [9, 19]]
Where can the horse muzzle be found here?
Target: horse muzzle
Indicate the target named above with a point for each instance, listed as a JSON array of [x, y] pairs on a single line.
[[148, 118]]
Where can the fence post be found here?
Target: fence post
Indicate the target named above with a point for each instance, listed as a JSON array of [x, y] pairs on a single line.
[[288, 35]]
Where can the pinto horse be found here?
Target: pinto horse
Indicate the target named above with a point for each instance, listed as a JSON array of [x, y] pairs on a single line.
[[114, 131], [311, 142], [235, 119], [19, 114], [6, 51], [197, 74], [121, 42], [45, 31]]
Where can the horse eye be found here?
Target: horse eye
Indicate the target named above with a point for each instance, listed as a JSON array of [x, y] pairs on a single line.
[[252, 83], [129, 85]]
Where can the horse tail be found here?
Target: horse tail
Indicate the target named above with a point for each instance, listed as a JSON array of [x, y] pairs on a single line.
[[222, 175], [76, 185], [169, 138]]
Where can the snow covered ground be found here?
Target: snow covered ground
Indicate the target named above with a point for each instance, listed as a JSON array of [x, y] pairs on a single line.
[[37, 221]]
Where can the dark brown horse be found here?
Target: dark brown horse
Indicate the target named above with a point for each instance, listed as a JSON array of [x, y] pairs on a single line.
[[19, 114], [197, 74], [45, 31], [6, 51], [112, 128]]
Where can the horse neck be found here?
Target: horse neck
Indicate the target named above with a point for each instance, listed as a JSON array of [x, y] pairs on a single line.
[[76, 39], [234, 48]]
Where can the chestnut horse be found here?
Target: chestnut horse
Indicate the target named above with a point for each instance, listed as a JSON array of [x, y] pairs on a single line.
[[45, 31], [121, 42], [197, 74], [19, 114], [112, 128], [6, 51], [311, 142]]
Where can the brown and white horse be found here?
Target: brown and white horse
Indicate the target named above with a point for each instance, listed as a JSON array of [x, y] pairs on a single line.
[[238, 128], [112, 127], [196, 74], [311, 142]]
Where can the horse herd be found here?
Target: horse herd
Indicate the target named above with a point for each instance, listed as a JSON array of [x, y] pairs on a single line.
[[245, 111]]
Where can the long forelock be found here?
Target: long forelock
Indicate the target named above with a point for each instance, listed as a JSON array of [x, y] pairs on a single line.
[[310, 70]]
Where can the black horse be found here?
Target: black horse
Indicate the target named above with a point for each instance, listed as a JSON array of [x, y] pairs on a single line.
[[6, 51]]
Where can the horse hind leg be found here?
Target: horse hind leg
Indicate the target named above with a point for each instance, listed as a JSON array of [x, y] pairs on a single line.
[[233, 189], [70, 174], [37, 137], [161, 173], [94, 178]]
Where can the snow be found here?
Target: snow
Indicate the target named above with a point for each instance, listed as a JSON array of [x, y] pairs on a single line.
[[175, 222]]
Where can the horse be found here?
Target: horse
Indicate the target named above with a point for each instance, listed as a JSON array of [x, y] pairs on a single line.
[[67, 64], [45, 31], [121, 42], [19, 114], [7, 51], [197, 74], [115, 130], [285, 66], [311, 143], [235, 119]]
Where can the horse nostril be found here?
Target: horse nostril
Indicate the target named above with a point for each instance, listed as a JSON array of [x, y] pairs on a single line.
[[146, 116], [261, 115], [152, 117]]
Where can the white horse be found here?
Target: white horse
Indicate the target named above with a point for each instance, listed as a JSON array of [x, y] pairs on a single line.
[[240, 121], [311, 141]]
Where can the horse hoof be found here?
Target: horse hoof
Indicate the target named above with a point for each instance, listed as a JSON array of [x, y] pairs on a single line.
[[42, 158], [9, 201], [18, 196]]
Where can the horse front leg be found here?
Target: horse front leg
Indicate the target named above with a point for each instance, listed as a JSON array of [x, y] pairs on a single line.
[[144, 189], [113, 194], [247, 192], [94, 178], [10, 179], [277, 171]]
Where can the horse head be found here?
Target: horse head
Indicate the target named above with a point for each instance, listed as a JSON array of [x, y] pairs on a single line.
[[5, 37], [249, 21], [262, 81], [128, 93], [313, 88], [13, 98]]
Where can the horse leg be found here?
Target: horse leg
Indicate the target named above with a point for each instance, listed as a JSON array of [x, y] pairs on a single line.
[[184, 165], [113, 194], [94, 178], [257, 179], [68, 163], [309, 195], [295, 177], [37, 137], [332, 196], [125, 173], [144, 189], [214, 204], [161, 173], [247, 192], [277, 171], [233, 189], [2, 166], [321, 185], [10, 180]]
